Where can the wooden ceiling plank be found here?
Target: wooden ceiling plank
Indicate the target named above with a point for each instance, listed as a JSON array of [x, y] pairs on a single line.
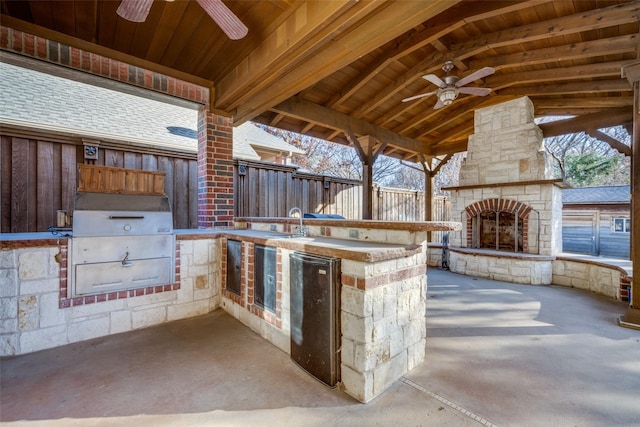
[[162, 37], [555, 54], [611, 16], [86, 20], [100, 50], [609, 118], [326, 117]]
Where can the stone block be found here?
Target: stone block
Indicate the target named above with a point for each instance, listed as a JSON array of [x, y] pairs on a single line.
[[396, 342], [9, 308], [200, 252], [89, 328], [161, 298], [377, 301], [356, 302], [358, 385], [120, 321], [40, 285], [369, 356], [41, 339], [382, 328], [348, 352], [9, 280], [416, 354], [148, 317], [33, 264], [414, 332], [389, 372], [390, 301], [28, 312], [8, 260], [358, 329], [100, 308], [8, 345], [50, 312], [182, 311]]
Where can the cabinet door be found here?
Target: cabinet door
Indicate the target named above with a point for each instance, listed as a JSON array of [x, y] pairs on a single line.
[[265, 277], [234, 262]]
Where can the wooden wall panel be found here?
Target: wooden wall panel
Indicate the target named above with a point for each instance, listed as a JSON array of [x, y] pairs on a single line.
[[39, 176]]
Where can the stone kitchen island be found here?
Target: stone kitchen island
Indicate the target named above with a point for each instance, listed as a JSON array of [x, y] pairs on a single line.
[[382, 291]]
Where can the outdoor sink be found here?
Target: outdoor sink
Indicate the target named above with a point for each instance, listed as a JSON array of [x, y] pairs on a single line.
[[282, 236]]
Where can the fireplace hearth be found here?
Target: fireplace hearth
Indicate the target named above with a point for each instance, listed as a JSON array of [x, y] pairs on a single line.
[[508, 201]]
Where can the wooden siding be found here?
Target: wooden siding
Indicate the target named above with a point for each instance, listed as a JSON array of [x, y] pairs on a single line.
[[39, 176], [590, 232]]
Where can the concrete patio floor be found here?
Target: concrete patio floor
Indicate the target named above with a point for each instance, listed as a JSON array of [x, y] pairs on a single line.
[[497, 353]]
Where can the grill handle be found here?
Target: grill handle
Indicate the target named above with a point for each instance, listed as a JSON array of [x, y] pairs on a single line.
[[125, 217]]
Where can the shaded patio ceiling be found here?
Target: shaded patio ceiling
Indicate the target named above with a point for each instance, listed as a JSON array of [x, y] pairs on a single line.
[[329, 68]]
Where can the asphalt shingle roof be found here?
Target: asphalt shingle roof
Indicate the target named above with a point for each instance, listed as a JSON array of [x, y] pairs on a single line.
[[44, 101], [605, 194]]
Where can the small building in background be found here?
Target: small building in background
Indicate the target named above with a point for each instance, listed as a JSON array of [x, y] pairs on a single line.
[[597, 221]]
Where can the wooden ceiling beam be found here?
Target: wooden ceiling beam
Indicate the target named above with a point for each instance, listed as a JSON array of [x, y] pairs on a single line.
[[604, 69], [326, 117], [340, 41], [555, 54], [451, 19], [617, 85], [595, 19], [605, 17], [584, 102], [605, 119], [613, 143]]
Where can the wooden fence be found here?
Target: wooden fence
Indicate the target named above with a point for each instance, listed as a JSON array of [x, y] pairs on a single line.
[[38, 177]]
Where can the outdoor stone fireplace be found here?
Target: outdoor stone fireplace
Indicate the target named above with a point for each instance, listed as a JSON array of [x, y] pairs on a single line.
[[507, 201]]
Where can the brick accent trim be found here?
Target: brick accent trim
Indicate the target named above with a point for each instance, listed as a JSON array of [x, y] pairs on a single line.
[[266, 315], [26, 44], [215, 170], [522, 210], [66, 301], [366, 283], [238, 299]]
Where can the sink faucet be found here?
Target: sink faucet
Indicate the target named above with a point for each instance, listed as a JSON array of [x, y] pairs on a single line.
[[301, 231]]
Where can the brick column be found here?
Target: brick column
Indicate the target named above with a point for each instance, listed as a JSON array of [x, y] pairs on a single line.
[[215, 170]]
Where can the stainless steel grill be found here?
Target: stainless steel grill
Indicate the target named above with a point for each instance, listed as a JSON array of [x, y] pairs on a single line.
[[120, 242]]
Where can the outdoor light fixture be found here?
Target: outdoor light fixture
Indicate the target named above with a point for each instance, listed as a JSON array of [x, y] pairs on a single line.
[[447, 95]]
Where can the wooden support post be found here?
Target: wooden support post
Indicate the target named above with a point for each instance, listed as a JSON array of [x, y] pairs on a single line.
[[632, 317], [368, 152]]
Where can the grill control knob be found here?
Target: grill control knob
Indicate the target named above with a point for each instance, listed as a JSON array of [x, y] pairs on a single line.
[[127, 227]]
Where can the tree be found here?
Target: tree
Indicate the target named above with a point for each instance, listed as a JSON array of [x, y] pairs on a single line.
[[328, 158], [585, 161]]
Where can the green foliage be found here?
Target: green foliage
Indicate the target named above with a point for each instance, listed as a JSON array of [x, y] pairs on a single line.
[[584, 170]]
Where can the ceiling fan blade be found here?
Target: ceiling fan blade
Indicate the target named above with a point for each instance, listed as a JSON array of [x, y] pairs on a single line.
[[225, 18], [422, 95], [482, 72], [478, 91], [438, 105], [134, 10], [435, 80]]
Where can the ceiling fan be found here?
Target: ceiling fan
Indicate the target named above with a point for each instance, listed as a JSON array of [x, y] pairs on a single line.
[[451, 87], [137, 11]]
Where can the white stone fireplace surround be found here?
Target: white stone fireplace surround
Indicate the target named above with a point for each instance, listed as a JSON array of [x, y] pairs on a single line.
[[508, 203]]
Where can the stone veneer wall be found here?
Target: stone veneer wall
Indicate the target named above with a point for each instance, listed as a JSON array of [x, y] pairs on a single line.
[[383, 323], [33, 315], [506, 148]]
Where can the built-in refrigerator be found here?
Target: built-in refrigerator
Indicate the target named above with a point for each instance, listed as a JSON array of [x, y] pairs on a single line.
[[315, 315]]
